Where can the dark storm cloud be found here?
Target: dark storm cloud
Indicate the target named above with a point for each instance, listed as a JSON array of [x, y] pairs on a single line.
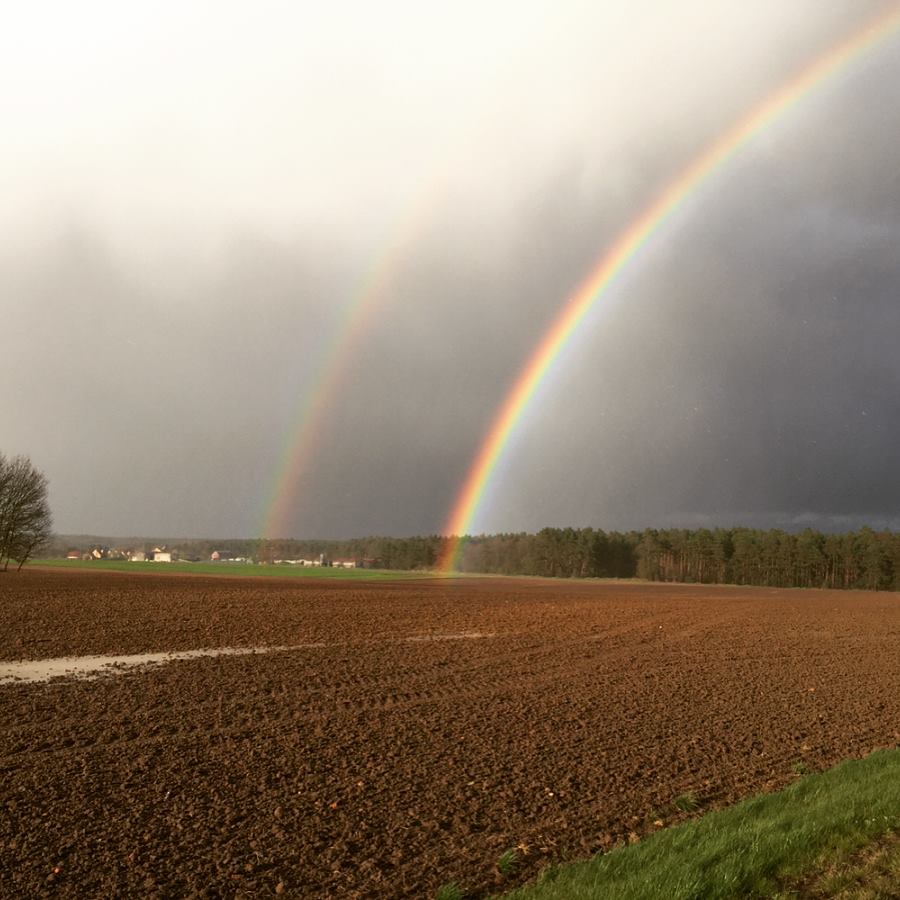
[[164, 401], [747, 374], [159, 347]]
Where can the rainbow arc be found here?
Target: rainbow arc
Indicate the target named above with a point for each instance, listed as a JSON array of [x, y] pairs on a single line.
[[642, 229]]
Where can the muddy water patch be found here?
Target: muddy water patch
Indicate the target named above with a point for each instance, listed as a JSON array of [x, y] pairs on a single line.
[[438, 636], [85, 667]]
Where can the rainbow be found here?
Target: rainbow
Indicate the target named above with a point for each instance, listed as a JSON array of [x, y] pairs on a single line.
[[310, 419], [617, 257]]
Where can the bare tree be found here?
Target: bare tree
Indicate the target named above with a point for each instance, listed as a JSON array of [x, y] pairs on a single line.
[[25, 521]]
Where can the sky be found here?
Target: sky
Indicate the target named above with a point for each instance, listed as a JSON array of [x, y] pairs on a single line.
[[197, 196]]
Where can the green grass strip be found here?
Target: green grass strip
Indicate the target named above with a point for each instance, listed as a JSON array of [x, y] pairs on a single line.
[[244, 570], [872, 873], [744, 850]]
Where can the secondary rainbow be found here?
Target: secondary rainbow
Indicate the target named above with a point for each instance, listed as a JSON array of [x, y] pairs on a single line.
[[310, 419], [623, 250], [309, 422]]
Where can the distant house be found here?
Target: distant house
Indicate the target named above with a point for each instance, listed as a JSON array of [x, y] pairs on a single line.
[[73, 554], [226, 556], [160, 554], [137, 556], [321, 560], [355, 562]]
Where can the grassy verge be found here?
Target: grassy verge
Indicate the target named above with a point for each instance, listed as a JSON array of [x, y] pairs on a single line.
[[248, 570], [756, 848], [872, 873]]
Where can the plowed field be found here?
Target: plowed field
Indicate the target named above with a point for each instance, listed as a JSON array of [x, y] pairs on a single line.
[[431, 727]]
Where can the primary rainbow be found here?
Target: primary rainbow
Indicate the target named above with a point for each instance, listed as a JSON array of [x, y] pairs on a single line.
[[623, 251]]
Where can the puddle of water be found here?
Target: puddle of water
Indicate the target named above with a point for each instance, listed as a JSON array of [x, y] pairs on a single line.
[[95, 666], [460, 636], [86, 667]]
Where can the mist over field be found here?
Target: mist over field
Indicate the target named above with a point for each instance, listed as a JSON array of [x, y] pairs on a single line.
[[194, 199]]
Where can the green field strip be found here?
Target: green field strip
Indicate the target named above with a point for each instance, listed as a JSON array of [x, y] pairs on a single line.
[[242, 570]]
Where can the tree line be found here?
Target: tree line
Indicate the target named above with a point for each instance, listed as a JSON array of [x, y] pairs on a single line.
[[25, 520], [744, 556], [865, 559], [860, 559]]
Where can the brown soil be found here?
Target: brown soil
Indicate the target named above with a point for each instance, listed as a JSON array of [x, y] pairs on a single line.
[[376, 766]]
